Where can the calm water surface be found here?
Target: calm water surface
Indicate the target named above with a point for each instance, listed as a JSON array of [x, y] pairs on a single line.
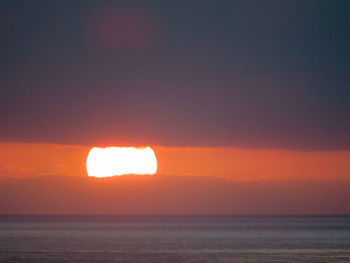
[[174, 239]]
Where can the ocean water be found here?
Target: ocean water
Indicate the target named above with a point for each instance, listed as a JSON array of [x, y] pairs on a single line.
[[163, 239]]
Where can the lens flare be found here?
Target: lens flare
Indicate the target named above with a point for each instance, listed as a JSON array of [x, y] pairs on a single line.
[[111, 161]]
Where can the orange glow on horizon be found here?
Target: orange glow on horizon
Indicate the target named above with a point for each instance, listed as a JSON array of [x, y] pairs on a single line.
[[116, 161], [25, 160]]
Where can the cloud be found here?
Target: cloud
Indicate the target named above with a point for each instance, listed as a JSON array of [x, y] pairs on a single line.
[[171, 195]]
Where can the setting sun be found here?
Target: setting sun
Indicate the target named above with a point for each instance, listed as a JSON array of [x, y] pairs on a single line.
[[111, 161]]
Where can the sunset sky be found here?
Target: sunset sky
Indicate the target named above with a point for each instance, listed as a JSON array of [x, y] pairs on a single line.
[[245, 104]]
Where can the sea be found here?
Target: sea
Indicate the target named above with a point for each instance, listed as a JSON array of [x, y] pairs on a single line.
[[157, 238]]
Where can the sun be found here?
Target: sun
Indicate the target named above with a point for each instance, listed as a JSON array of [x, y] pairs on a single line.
[[112, 161]]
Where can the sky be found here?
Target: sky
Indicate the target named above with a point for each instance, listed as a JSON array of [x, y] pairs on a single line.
[[245, 103], [248, 74], [25, 160]]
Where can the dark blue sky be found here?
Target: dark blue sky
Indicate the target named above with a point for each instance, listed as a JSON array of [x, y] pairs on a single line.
[[256, 74]]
